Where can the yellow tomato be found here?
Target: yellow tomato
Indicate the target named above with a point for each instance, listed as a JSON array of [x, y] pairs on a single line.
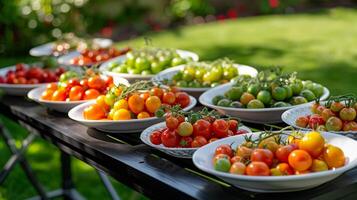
[[313, 143], [122, 114], [143, 115], [318, 165], [121, 104], [333, 156]]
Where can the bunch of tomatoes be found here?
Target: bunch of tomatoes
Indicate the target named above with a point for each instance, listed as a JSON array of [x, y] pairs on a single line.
[[31, 75], [183, 133], [333, 116], [268, 157], [90, 56], [269, 89], [203, 74], [72, 87], [130, 102]]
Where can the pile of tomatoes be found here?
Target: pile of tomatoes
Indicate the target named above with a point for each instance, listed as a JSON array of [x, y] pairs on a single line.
[[90, 56], [137, 104], [180, 132], [74, 88], [31, 75], [333, 116], [309, 153]]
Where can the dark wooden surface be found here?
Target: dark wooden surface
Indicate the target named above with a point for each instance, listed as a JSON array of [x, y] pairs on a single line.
[[147, 170]]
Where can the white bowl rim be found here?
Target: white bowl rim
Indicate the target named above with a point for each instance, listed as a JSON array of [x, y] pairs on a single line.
[[31, 96]]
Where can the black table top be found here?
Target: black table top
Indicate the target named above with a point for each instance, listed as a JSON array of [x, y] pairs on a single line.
[[147, 170]]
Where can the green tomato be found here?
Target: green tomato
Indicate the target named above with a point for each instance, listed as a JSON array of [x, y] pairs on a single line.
[[181, 84], [194, 84], [216, 99], [177, 76], [177, 61], [164, 61], [133, 71], [146, 72], [317, 89], [130, 59], [280, 104], [121, 69], [279, 93], [230, 72], [264, 96], [109, 99], [298, 100], [142, 64], [199, 74], [216, 73], [253, 89], [67, 75], [308, 84], [234, 93], [156, 67], [187, 76], [255, 103], [236, 104], [224, 102], [112, 65], [309, 96], [297, 87], [289, 91], [222, 164]]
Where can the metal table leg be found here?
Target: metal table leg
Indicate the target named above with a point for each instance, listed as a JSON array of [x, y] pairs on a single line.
[[108, 185]]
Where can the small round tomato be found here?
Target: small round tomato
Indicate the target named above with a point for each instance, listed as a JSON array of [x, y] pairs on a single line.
[[246, 98], [143, 115], [122, 114], [244, 152], [136, 103], [285, 169], [350, 126], [334, 124], [76, 93], [333, 156], [169, 98], [336, 106], [157, 92], [233, 125], [313, 143], [101, 101], [172, 123], [94, 112], [327, 113], [152, 104], [222, 164], [314, 106], [300, 160], [302, 121], [59, 95], [224, 149], [283, 152], [237, 168], [96, 82], [316, 120], [91, 94], [262, 155], [51, 86], [348, 114], [145, 95], [318, 166], [236, 159], [155, 137], [199, 141], [257, 168], [109, 98], [182, 99], [220, 128], [319, 109], [47, 94], [185, 129], [108, 80], [185, 142], [275, 172], [216, 157], [202, 128], [121, 104], [169, 138]]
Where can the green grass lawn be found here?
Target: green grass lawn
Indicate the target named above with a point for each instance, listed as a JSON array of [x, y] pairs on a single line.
[[320, 46]]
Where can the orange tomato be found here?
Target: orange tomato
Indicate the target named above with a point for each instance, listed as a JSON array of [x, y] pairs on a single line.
[[285, 169], [91, 94], [143, 115], [108, 80], [300, 160], [145, 95], [101, 101], [51, 86], [94, 112], [333, 156], [47, 94], [257, 168], [152, 104], [122, 114], [59, 95], [169, 98], [136, 103], [96, 82], [76, 93], [111, 114], [157, 92], [313, 143], [318, 165], [121, 104]]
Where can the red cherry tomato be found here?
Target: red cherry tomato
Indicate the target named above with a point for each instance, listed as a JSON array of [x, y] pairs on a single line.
[[233, 125], [169, 138], [257, 168], [96, 82], [198, 141], [172, 123], [262, 155], [282, 153], [186, 142], [169, 98], [202, 128], [182, 99], [155, 137], [220, 128], [76, 93], [224, 149]]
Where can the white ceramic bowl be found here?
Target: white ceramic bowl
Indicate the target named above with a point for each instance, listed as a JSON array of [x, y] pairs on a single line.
[[260, 116], [202, 158], [16, 89], [133, 77], [290, 116], [62, 106], [47, 49], [196, 92], [118, 126], [177, 152]]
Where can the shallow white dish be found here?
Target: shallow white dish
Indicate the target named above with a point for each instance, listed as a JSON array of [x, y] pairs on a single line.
[[16, 89], [290, 116], [261, 116], [196, 92], [62, 106], [177, 152], [202, 158], [133, 77], [118, 126], [47, 49]]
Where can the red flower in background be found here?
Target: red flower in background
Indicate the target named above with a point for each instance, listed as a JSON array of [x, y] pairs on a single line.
[[274, 3], [232, 13]]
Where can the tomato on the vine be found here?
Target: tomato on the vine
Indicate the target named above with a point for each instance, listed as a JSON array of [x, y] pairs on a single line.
[[233, 125], [202, 128], [182, 99], [283, 152], [186, 142], [172, 123], [262, 155], [155, 137], [224, 149], [169, 138], [220, 128]]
